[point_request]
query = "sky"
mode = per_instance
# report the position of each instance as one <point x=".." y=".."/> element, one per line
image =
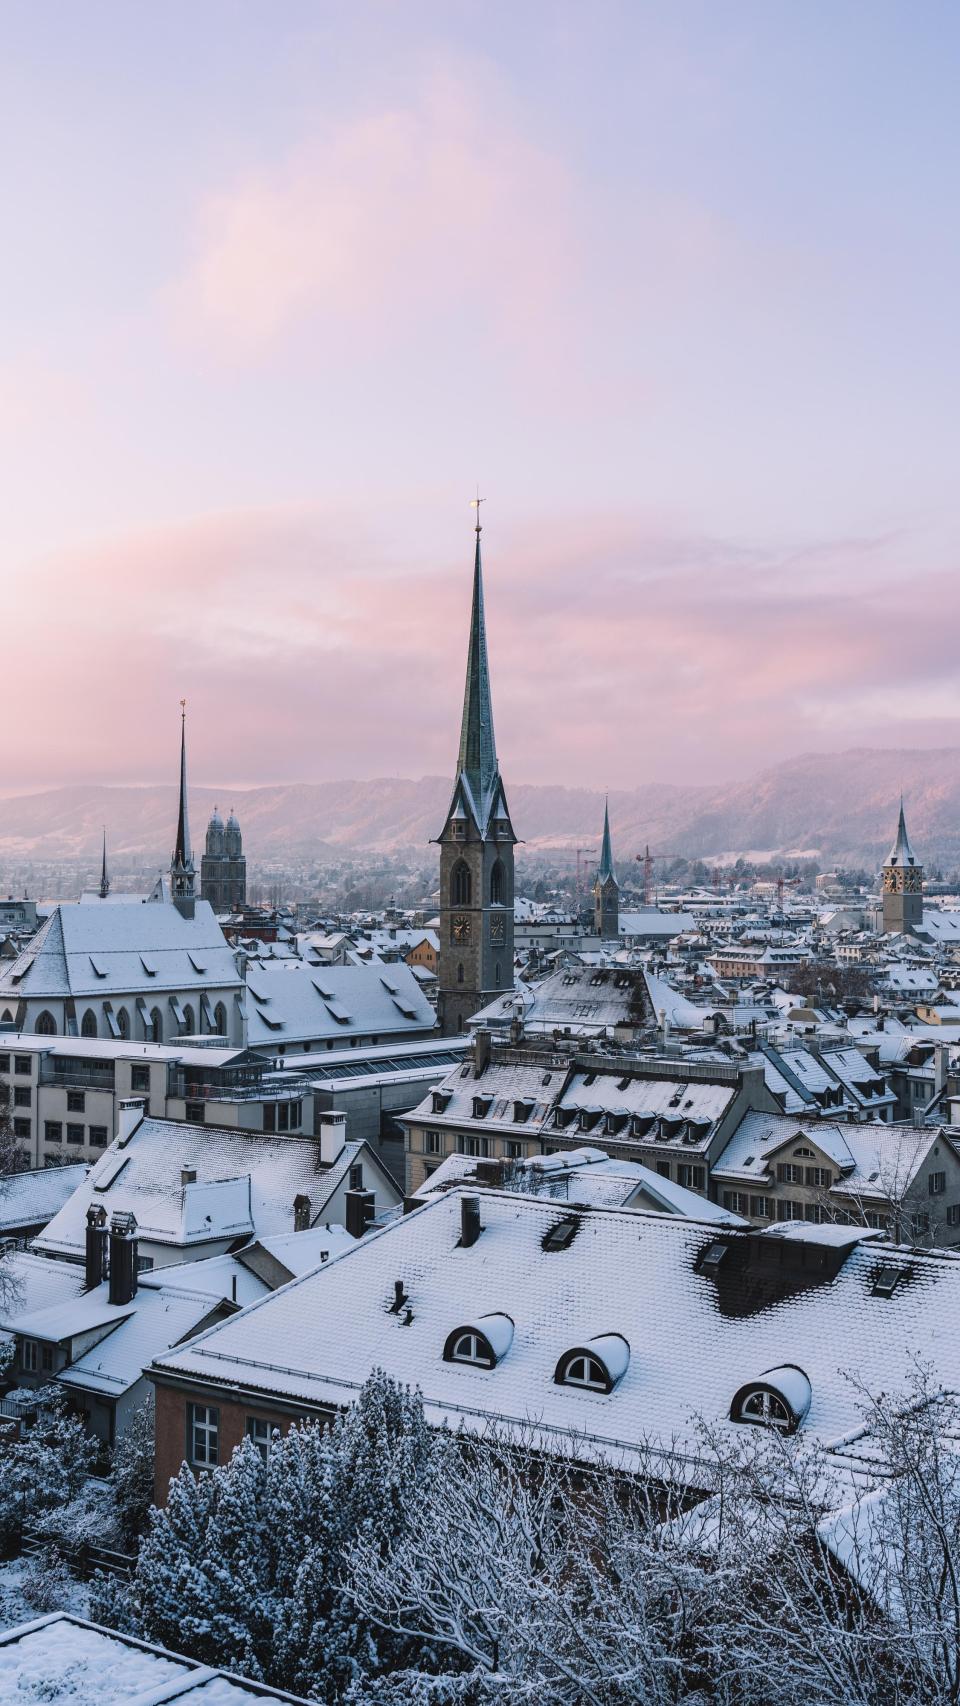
<point x="676" y="284"/>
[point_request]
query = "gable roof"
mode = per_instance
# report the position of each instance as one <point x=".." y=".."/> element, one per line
<point x="102" y="951"/>
<point x="290" y="1001"/>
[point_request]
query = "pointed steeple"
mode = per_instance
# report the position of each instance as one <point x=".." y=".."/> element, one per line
<point x="901" y="853"/>
<point x="478" y="749"/>
<point x="182" y="873"/>
<point x="605" y="870"/>
<point x="104" y="877"/>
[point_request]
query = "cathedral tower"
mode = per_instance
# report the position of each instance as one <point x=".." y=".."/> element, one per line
<point x="223" y="866"/>
<point x="902" y="885"/>
<point x="182" y="873"/>
<point x="606" y="889"/>
<point x="476" y="851"/>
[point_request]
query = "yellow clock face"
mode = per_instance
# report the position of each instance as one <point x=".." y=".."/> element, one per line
<point x="460" y="929"/>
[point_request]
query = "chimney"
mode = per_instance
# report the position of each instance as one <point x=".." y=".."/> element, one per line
<point x="188" y="1176"/>
<point x="130" y="1112"/>
<point x="96" y="1245"/>
<point x="481" y="1053"/>
<point x="516" y="1023"/>
<point x="470" y="1228"/>
<point x="123" y="1257"/>
<point x="360" y="1208"/>
<point x="332" y="1131"/>
<point x="941" y="1055"/>
<point x="301" y="1213"/>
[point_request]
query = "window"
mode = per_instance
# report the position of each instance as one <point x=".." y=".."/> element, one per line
<point x="804" y="1153"/>
<point x="470" y="1347"/>
<point x="356" y="1177"/>
<point x="515" y="1151"/>
<point x="29" y="1356"/>
<point x="123" y="1022"/>
<point x="919" y="1224"/>
<point x="585" y="1371"/>
<point x="46" y="1358"/>
<point x="74" y="1133"/>
<point x="144" y="1264"/>
<point x="261" y="1433"/>
<point x="21" y="1128"/>
<point x="460" y="972"/>
<point x="193" y="1113"/>
<point x="76" y="1101"/>
<point x="497" y="977"/>
<point x="189" y="1023"/>
<point x="52" y="1131"/>
<point x="478" y="1146"/>
<point x="819" y="1176"/>
<point x="766" y="1410"/>
<point x="21" y="1097"/>
<point x="98" y="1136"/>
<point x="21" y="1065"/>
<point x="937" y="1184"/>
<point x="220" y="1019"/>
<point x="140" y="1078"/>
<point x="461" y="884"/>
<point x="663" y="1168"/>
<point x="953" y="1214"/>
<point x="156" y="1024"/>
<point x="45" y="1026"/>
<point x="203" y="1434"/>
<point x="815" y="1212"/>
<point x="790" y="1210"/>
<point x="433" y="1143"/>
<point x="788" y="1174"/>
<point x="691" y="1177"/>
<point x="88" y="1027"/>
<point x="762" y="1208"/>
<point x="736" y="1201"/>
<point x="4" y="1063"/>
<point x="496" y="883"/>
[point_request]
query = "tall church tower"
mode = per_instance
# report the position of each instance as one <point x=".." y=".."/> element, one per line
<point x="606" y="889"/>
<point x="182" y="873"/>
<point x="902" y="885"/>
<point x="476" y="851"/>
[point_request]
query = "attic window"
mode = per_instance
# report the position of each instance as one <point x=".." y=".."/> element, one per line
<point x="596" y="1366"/>
<point x="481" y="1343"/>
<point x="99" y="968"/>
<point x="807" y="1154"/>
<point x="199" y="966"/>
<point x="887" y="1279"/>
<point x="561" y="1235"/>
<point x="712" y="1257"/>
<point x="148" y="966"/>
<point x="780" y="1399"/>
<point x="765" y="1409"/>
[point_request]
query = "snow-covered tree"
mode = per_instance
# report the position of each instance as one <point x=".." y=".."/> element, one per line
<point x="132" y="1474"/>
<point x="48" y="1467"/>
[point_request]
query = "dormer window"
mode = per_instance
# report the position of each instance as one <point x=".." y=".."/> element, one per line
<point x="482" y="1343"/>
<point x="779" y="1399"/>
<point x="597" y="1366"/>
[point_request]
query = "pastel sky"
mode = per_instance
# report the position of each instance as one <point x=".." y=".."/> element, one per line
<point x="677" y="283"/>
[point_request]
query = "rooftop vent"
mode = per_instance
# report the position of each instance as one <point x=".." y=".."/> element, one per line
<point x="470" y="1228"/>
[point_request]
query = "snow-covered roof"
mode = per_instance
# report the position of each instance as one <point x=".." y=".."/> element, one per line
<point x="246" y="1182"/>
<point x="290" y="1001"/>
<point x="694" y="1338"/>
<point x="875" y="1160"/>
<point x="66" y="1661"/>
<point x="33" y="1198"/>
<point x="160" y="1318"/>
<point x="36" y="1282"/>
<point x="662" y="925"/>
<point x="584" y="1000"/>
<point x="588" y="1177"/>
<point x="94" y="951"/>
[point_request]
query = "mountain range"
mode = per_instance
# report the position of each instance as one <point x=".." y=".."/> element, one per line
<point x="839" y="807"/>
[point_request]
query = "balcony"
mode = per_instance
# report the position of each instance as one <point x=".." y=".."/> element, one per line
<point x="77" y="1075"/>
<point x="236" y="1089"/>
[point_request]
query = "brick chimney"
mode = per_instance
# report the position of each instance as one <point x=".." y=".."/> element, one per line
<point x="123" y="1256"/>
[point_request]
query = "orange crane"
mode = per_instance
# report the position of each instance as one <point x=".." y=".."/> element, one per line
<point x="647" y="860"/>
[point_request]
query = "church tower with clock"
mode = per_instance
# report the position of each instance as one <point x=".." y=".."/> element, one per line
<point x="902" y="885"/>
<point x="476" y="851"/>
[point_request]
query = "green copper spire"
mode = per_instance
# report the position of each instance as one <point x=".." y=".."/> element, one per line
<point x="605" y="869"/>
<point x="478" y="750"/>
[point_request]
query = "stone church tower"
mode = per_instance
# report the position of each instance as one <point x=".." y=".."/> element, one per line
<point x="182" y="870"/>
<point x="606" y="889"/>
<point x="223" y="867"/>
<point x="902" y="885"/>
<point x="476" y="852"/>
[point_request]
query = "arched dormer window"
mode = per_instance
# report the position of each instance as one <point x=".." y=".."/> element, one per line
<point x="45" y="1026"/>
<point x="596" y="1366"/>
<point x="497" y="882"/>
<point x="461" y="884"/>
<point x="482" y="1343"/>
<point x="88" y="1025"/>
<point x="779" y="1399"/>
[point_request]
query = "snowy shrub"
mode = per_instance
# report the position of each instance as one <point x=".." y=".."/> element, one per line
<point x="46" y="1581"/>
<point x="131" y="1479"/>
<point x="47" y="1468"/>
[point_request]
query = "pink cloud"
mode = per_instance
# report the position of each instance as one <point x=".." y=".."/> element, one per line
<point x="620" y="653"/>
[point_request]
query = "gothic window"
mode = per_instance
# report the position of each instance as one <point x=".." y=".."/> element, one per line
<point x="460" y="972"/>
<point x="156" y="1025"/>
<point x="498" y="974"/>
<point x="461" y="884"/>
<point x="188" y="1024"/>
<point x="45" y="1026"/>
<point x="88" y="1027"/>
<point x="497" y="883"/>
<point x="123" y="1022"/>
<point x="220" y="1019"/>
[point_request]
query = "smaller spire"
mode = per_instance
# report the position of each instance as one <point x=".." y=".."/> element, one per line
<point x="605" y="869"/>
<point x="104" y="877"/>
<point x="901" y="853"/>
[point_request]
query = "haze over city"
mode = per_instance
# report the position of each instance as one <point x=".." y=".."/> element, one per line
<point x="677" y="285"/>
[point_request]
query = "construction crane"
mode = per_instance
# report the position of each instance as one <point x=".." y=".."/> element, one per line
<point x="593" y="853"/>
<point x="784" y="883"/>
<point x="648" y="860"/>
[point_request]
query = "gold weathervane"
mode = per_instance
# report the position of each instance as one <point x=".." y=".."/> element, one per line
<point x="475" y="504"/>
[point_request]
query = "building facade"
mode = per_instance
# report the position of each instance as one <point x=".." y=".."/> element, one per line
<point x="476" y="852"/>
<point x="223" y="866"/>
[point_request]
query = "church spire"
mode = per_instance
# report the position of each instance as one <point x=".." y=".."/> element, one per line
<point x="605" y="869"/>
<point x="104" y="877"/>
<point x="477" y="761"/>
<point x="181" y="865"/>
<point x="901" y="853"/>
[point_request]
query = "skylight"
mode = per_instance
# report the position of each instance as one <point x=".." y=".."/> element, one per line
<point x="888" y="1278"/>
<point x="561" y="1236"/>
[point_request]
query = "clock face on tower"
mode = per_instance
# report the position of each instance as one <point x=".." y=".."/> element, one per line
<point x="497" y="929"/>
<point x="460" y="929"/>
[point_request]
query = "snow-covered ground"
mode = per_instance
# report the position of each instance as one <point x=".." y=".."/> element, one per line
<point x="19" y="1579"/>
